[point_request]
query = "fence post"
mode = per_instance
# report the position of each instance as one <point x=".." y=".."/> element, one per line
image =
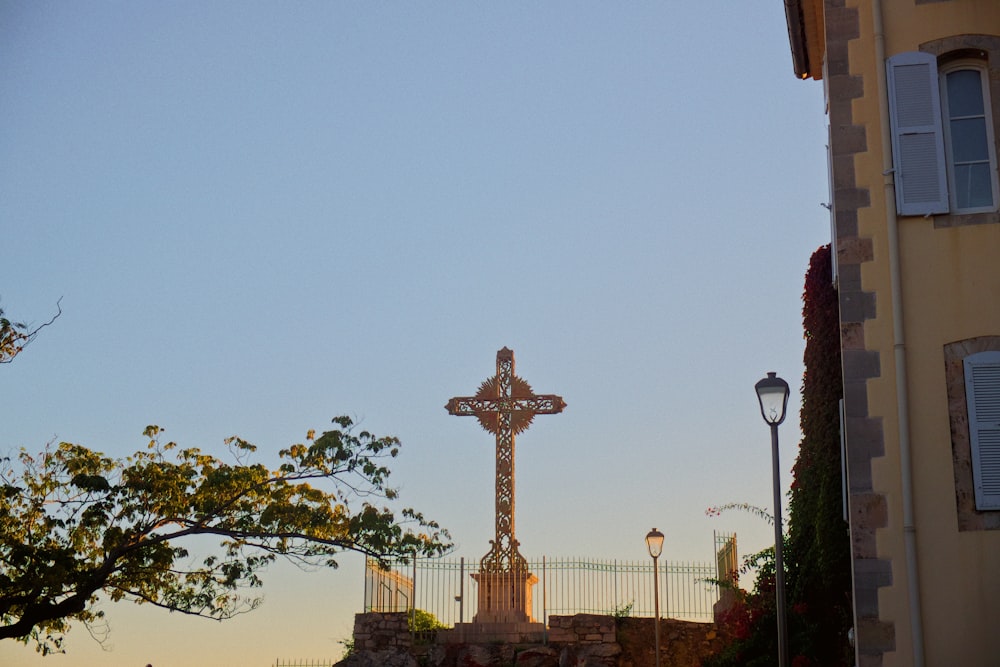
<point x="413" y="597"/>
<point x="461" y="591"/>
<point x="545" y="604"/>
<point x="365" y="603"/>
<point x="666" y="589"/>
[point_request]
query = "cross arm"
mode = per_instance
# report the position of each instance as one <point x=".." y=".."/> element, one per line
<point x="543" y="404"/>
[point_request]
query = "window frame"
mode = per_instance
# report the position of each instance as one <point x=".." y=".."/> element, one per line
<point x="979" y="67"/>
<point x="986" y="50"/>
<point x="968" y="515"/>
<point x="922" y="186"/>
<point x="984" y="417"/>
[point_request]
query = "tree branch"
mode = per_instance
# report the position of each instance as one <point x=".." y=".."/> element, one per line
<point x="21" y="339"/>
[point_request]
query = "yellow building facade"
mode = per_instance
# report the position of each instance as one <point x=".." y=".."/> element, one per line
<point x="912" y="89"/>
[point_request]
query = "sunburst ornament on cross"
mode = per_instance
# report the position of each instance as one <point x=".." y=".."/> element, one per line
<point x="505" y="406"/>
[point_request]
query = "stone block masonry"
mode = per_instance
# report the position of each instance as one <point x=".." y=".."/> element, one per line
<point x="377" y="631"/>
<point x="682" y="643"/>
<point x="582" y="629"/>
<point x="584" y="639"/>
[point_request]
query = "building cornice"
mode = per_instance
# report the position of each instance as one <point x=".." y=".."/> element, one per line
<point x="806" y="37"/>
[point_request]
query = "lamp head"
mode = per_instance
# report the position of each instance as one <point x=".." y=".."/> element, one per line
<point x="654" y="542"/>
<point x="772" y="392"/>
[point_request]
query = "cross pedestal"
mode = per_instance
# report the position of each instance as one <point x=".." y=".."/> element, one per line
<point x="504" y="597"/>
<point x="504" y="613"/>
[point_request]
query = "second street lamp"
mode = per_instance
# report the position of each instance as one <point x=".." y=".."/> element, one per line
<point x="772" y="392"/>
<point x="654" y="542"/>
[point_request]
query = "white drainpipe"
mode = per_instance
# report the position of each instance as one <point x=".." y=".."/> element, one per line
<point x="899" y="348"/>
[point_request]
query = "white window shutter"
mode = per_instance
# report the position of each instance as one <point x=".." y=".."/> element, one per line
<point x="982" y="394"/>
<point x="917" y="138"/>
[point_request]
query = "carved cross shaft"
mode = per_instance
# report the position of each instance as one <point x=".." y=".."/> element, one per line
<point x="505" y="406"/>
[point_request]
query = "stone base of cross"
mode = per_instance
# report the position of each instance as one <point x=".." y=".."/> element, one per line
<point x="505" y="597"/>
<point x="504" y="613"/>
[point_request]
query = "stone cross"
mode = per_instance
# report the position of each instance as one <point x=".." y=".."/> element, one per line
<point x="505" y="406"/>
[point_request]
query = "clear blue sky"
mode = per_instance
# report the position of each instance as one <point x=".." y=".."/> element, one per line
<point x="260" y="216"/>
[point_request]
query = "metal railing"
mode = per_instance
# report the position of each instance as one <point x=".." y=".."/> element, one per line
<point x="444" y="587"/>
<point x="726" y="558"/>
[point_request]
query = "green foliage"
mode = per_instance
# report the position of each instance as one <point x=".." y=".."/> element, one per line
<point x="348" y="645"/>
<point x="816" y="549"/>
<point x="75" y="523"/>
<point x="759" y="512"/>
<point x="15" y="335"/>
<point x="623" y="610"/>
<point x="423" y="621"/>
<point x="751" y="623"/>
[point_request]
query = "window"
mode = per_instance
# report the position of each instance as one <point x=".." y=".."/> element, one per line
<point x="971" y="367"/>
<point x="982" y="391"/>
<point x="942" y="136"/>
<point x="968" y="138"/>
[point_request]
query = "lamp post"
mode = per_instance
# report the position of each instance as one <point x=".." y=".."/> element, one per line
<point x="772" y="392"/>
<point x="654" y="542"/>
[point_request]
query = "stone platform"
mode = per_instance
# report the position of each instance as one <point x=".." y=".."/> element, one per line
<point x="504" y="597"/>
<point x="507" y="633"/>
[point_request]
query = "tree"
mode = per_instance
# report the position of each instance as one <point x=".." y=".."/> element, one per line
<point x="75" y="524"/>
<point x="15" y="335"/>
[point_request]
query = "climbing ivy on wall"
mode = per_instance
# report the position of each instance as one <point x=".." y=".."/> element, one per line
<point x="817" y="532"/>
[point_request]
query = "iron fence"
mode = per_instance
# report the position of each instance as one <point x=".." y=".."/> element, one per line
<point x="566" y="586"/>
<point x="726" y="558"/>
<point x="302" y="663"/>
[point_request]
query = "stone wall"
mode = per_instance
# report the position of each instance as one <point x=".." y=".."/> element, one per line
<point x="582" y="629"/>
<point x="583" y="639"/>
<point x="682" y="643"/>
<point x="377" y="631"/>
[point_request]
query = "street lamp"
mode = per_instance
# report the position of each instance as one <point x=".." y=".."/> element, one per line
<point x="654" y="542"/>
<point x="772" y="392"/>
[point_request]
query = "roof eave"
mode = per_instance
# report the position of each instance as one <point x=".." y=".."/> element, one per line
<point x="797" y="38"/>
